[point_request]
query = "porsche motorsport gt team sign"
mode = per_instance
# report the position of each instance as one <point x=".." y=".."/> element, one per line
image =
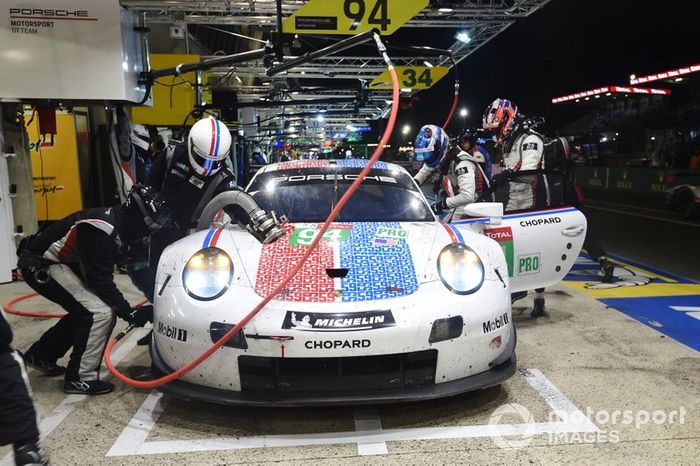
<point x="352" y="16"/>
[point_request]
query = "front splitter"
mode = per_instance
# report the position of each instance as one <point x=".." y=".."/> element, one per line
<point x="193" y="392"/>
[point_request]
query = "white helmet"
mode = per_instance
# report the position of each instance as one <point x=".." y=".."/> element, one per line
<point x="140" y="136"/>
<point x="207" y="145"/>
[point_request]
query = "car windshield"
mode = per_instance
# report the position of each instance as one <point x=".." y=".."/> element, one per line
<point x="309" y="195"/>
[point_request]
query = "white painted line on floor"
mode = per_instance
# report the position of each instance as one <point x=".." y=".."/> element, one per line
<point x="52" y="420"/>
<point x="369" y="422"/>
<point x="136" y="432"/>
<point x="692" y="311"/>
<point x="633" y="214"/>
<point x="145" y="418"/>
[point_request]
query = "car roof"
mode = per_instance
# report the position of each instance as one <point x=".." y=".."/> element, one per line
<point x="342" y="163"/>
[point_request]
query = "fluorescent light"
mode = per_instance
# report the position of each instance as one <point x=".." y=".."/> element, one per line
<point x="406" y="89"/>
<point x="428" y="64"/>
<point x="319" y="118"/>
<point x="445" y="10"/>
<point x="292" y="129"/>
<point x="463" y="112"/>
<point x="678" y="80"/>
<point x="463" y="36"/>
<point x="240" y="81"/>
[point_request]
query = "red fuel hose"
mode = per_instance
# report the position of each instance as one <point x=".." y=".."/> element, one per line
<point x="150" y="384"/>
<point x="455" y="101"/>
<point x="9" y="308"/>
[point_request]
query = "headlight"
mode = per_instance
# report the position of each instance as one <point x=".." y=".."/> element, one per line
<point x="208" y="274"/>
<point x="460" y="269"/>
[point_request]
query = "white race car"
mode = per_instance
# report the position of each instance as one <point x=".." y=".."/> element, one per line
<point x="393" y="306"/>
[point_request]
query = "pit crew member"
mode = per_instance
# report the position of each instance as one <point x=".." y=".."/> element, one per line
<point x="188" y="176"/>
<point x="522" y="148"/>
<point x="71" y="263"/>
<point x="463" y="179"/>
<point x="18" y="424"/>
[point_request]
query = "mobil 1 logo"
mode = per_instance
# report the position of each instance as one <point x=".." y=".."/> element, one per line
<point x="529" y="264"/>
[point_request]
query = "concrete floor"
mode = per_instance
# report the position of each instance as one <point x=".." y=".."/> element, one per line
<point x="582" y="356"/>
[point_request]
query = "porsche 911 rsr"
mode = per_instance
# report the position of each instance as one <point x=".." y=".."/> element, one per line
<point x="393" y="305"/>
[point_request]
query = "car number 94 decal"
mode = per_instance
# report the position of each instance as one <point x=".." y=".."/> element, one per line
<point x="304" y="236"/>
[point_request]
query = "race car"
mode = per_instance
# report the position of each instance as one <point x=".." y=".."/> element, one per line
<point x="684" y="199"/>
<point x="392" y="306"/>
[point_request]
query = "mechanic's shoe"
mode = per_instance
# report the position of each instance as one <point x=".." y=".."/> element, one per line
<point x="517" y="296"/>
<point x="30" y="454"/>
<point x="538" y="310"/>
<point x="50" y="369"/>
<point x="87" y="387"/>
<point x="146" y="340"/>
<point x="608" y="268"/>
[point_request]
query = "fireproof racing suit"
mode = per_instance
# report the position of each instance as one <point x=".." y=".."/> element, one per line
<point x="464" y="183"/>
<point x="17" y="414"/>
<point x="523" y="152"/>
<point x="185" y="192"/>
<point x="83" y="250"/>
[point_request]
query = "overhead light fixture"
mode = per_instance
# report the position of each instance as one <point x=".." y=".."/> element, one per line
<point x="608" y="93"/>
<point x="445" y="10"/>
<point x="319" y="118"/>
<point x="428" y="64"/>
<point x="406" y="89"/>
<point x="463" y="112"/>
<point x="406" y="129"/>
<point x="292" y="129"/>
<point x="678" y="80"/>
<point x="633" y="77"/>
<point x="238" y="78"/>
<point x="463" y="36"/>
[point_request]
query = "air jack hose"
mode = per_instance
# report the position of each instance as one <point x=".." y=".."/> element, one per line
<point x="10" y="309"/>
<point x="150" y="384"/>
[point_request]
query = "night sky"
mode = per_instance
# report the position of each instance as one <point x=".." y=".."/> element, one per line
<point x="566" y="46"/>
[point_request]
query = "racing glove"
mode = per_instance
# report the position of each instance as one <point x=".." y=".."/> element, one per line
<point x="141" y="316"/>
<point x="439" y="206"/>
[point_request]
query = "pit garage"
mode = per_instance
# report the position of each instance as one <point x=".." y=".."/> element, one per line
<point x="325" y="307"/>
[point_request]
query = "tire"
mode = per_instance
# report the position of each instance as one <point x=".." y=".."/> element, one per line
<point x="686" y="205"/>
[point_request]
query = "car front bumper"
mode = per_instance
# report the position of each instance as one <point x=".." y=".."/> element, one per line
<point x="502" y="369"/>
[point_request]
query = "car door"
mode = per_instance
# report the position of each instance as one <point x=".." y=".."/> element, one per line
<point x="540" y="247"/>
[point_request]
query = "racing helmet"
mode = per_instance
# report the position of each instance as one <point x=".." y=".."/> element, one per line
<point x="499" y="117"/>
<point x="467" y="135"/>
<point x="207" y="145"/>
<point x="140" y="137"/>
<point x="146" y="208"/>
<point x="431" y="145"/>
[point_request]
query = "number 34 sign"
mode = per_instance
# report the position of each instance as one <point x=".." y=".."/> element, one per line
<point x="411" y="77"/>
<point x="352" y="16"/>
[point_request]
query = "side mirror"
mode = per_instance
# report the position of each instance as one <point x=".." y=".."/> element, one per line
<point x="492" y="210"/>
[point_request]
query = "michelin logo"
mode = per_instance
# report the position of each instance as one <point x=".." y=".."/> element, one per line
<point x="337" y="322"/>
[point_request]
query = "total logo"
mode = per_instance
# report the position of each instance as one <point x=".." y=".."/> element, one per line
<point x="496" y="323"/>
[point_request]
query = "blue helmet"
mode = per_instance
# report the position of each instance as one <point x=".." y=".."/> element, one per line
<point x="431" y="145"/>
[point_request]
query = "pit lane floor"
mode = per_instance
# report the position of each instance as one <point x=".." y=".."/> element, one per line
<point x="584" y="358"/>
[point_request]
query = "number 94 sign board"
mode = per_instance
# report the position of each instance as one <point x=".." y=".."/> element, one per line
<point x="352" y="16"/>
<point x="411" y="77"/>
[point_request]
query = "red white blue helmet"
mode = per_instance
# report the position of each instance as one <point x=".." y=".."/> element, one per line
<point x="207" y="145"/>
<point x="431" y="145"/>
<point x="499" y="117"/>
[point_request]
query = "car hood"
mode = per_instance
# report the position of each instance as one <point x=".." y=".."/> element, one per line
<point x="359" y="261"/>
